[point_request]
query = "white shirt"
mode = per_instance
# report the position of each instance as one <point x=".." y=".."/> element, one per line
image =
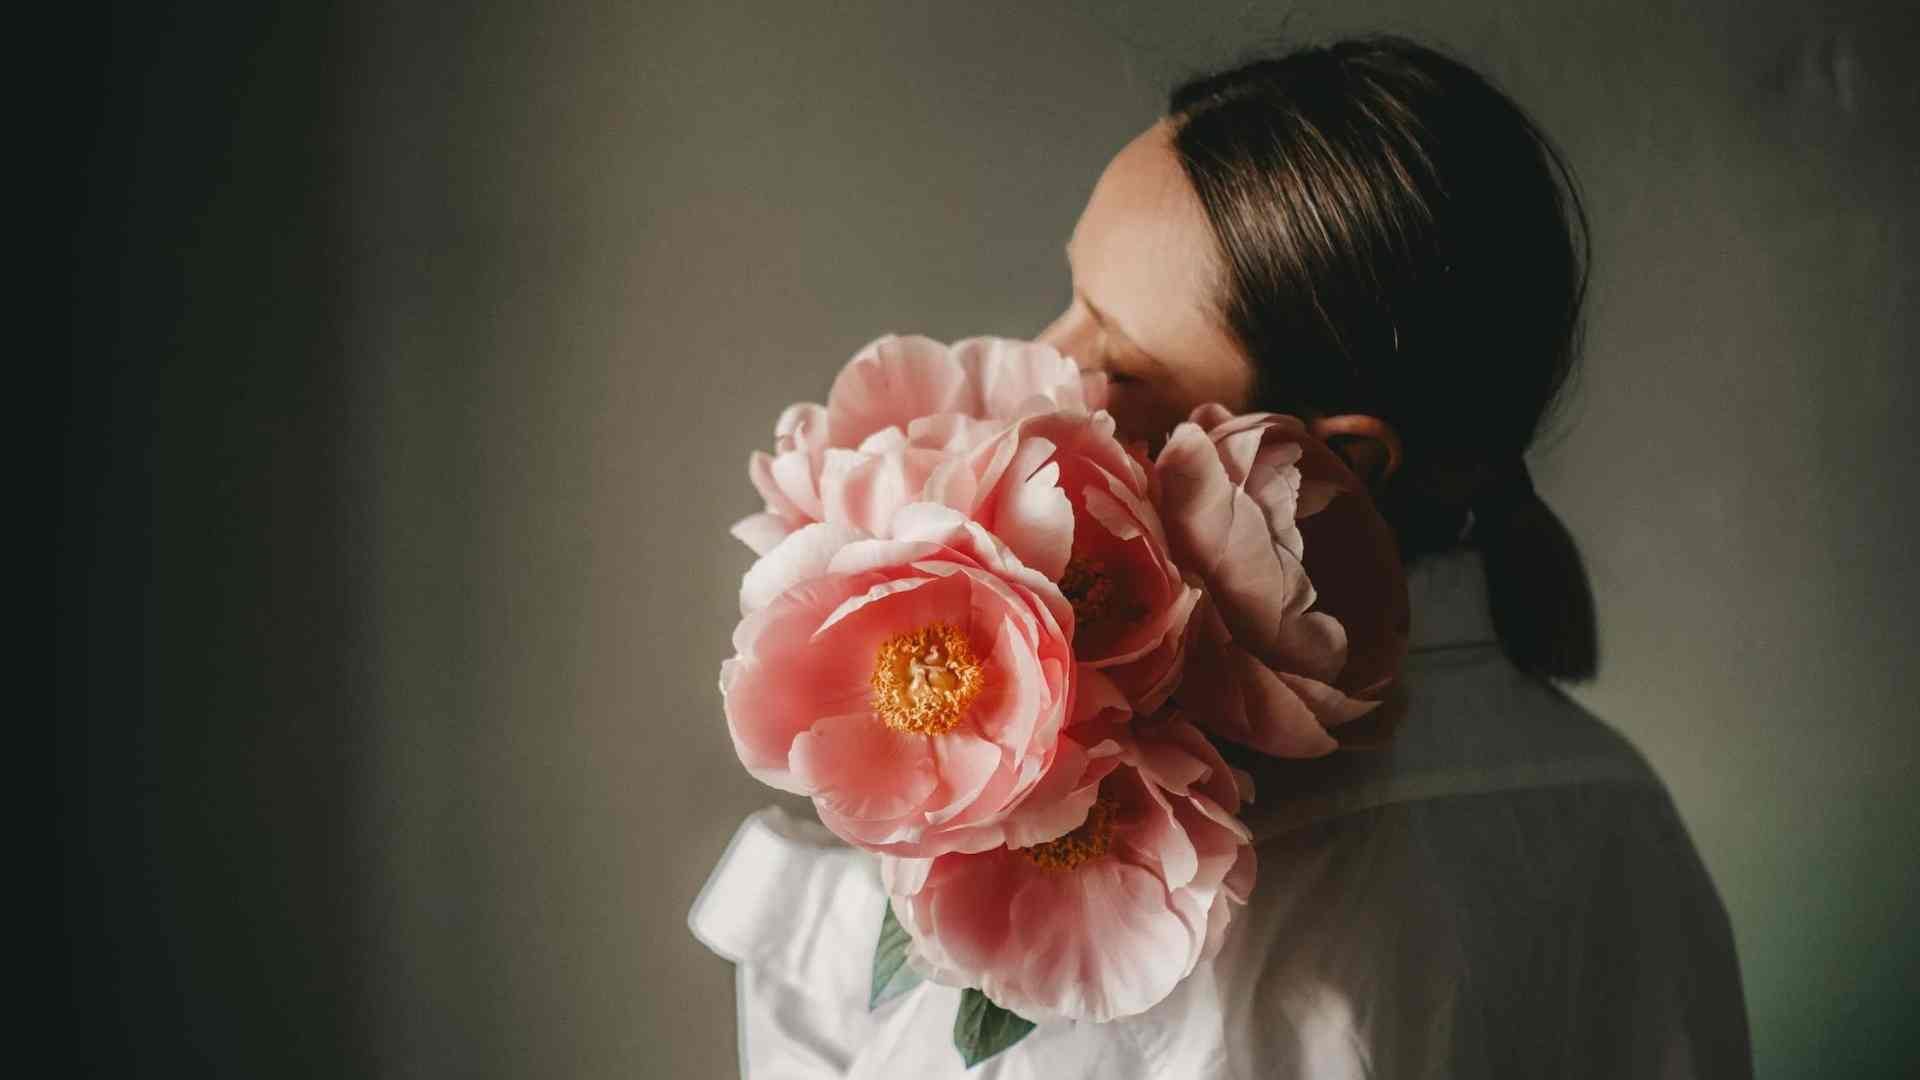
<point x="1506" y="891"/>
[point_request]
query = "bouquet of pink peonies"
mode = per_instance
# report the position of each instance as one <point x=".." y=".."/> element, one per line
<point x="994" y="644"/>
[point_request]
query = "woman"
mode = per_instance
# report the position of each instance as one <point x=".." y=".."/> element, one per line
<point x="1369" y="236"/>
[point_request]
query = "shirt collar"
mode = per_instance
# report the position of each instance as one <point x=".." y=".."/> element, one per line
<point x="1447" y="597"/>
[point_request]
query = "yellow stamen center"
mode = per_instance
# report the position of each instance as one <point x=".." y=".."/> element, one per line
<point x="923" y="680"/>
<point x="1089" y="841"/>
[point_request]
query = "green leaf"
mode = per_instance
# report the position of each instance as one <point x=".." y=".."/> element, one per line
<point x="982" y="1029"/>
<point x="891" y="974"/>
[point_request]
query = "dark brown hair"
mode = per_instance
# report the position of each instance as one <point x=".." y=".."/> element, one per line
<point x="1400" y="239"/>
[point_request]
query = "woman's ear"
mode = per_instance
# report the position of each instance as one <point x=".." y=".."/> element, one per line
<point x="1369" y="444"/>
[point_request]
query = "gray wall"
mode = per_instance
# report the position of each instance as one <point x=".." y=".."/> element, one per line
<point x="604" y="245"/>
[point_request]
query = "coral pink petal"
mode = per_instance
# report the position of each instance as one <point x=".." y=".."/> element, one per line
<point x="964" y="905"/>
<point x="780" y="687"/>
<point x="967" y="765"/>
<point x="1014" y="699"/>
<point x="1155" y="836"/>
<point x="1058" y="803"/>
<point x="864" y="769"/>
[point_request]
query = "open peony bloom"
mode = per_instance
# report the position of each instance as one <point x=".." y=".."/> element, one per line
<point x="1102" y="921"/>
<point x="914" y="687"/>
<point x="1273" y="521"/>
<point x="962" y="393"/>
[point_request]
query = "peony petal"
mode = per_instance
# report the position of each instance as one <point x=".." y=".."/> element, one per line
<point x="797" y="476"/>
<point x="866" y="490"/>
<point x="804" y="554"/>
<point x="1015" y="702"/>
<point x="1332" y="707"/>
<point x="1004" y="375"/>
<point x="1096" y="943"/>
<point x="963" y="906"/>
<point x="761" y="532"/>
<point x="778" y="685"/>
<point x="863" y="769"/>
<point x="966" y="764"/>
<point x="1035" y="520"/>
<point x="890" y="382"/>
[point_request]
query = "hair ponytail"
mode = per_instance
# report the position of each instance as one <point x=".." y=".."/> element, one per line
<point x="1537" y="587"/>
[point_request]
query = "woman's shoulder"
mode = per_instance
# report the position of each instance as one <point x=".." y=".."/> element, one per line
<point x="1474" y="725"/>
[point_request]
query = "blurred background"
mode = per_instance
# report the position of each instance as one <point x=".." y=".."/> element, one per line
<point x="417" y="352"/>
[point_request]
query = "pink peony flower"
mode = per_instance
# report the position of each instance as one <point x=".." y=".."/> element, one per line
<point x="1104" y="920"/>
<point x="1274" y="522"/>
<point x="900" y="390"/>
<point x="913" y="687"/>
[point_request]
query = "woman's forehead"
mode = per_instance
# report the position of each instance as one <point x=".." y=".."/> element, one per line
<point x="1143" y="246"/>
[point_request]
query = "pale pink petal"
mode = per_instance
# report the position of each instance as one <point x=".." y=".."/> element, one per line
<point x="804" y="554"/>
<point x="801" y="426"/>
<point x="773" y="493"/>
<point x="1095" y="943"/>
<point x="1195" y="499"/>
<point x="1004" y="375"/>
<point x="1035" y="519"/>
<point x="866" y="490"/>
<point x="1095" y="389"/>
<point x="761" y="532"/>
<point x="953" y="432"/>
<point x="797" y="476"/>
<point x="888" y="383"/>
<point x="902" y="877"/>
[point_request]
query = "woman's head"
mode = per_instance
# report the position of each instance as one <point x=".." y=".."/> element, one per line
<point x="1367" y="229"/>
